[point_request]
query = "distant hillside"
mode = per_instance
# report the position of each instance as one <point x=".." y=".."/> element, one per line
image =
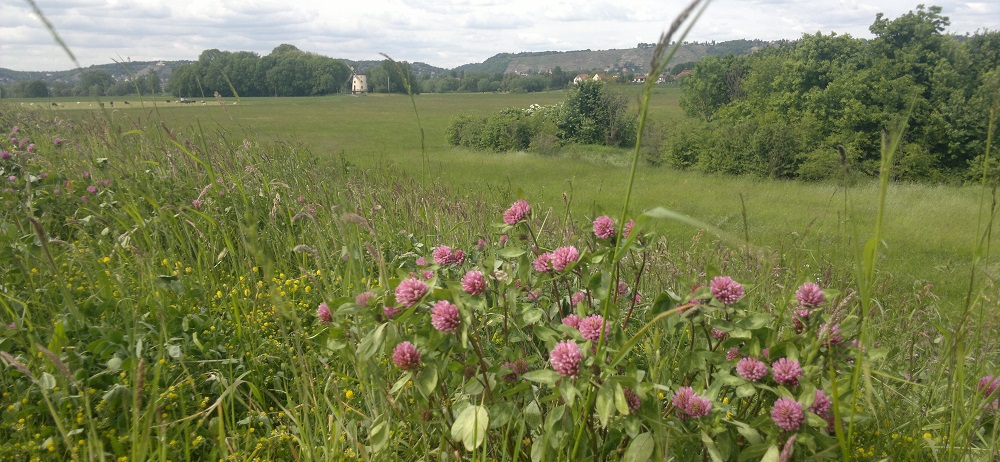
<point x="631" y="59"/>
<point x="119" y="71"/>
<point x="418" y="67"/>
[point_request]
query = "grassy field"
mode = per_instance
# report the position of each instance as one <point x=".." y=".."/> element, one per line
<point x="280" y="279"/>
<point x="929" y="234"/>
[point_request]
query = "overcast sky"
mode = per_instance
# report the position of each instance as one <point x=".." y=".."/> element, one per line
<point x="439" y="32"/>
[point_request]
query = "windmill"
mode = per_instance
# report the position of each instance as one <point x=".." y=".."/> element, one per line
<point x="359" y="83"/>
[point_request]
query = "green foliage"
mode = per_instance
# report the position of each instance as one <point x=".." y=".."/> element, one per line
<point x="510" y="129"/>
<point x="94" y="83"/>
<point x="286" y="71"/>
<point x="840" y="91"/>
<point x="595" y="113"/>
<point x="27" y="89"/>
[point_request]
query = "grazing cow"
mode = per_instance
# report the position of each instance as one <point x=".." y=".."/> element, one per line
<point x="126" y="102"/>
<point x="112" y="103"/>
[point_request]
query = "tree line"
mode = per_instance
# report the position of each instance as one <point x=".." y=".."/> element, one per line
<point x="91" y="83"/>
<point x="817" y="107"/>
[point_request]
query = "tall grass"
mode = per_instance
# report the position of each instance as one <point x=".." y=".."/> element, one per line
<point x="164" y="291"/>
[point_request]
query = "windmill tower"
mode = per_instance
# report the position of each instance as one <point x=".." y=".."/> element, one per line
<point x="359" y="83"/>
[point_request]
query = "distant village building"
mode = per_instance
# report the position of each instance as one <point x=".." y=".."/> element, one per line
<point x="639" y="78"/>
<point x="359" y="84"/>
<point x="580" y="78"/>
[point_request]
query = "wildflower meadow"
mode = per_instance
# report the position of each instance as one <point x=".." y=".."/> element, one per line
<point x="177" y="294"/>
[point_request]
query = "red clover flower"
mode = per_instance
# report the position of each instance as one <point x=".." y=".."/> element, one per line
<point x="565" y="358"/>
<point x="406" y="356"/>
<point x="410" y="291"/>
<point x="726" y="290"/>
<point x="787" y="414"/>
<point x="445" y="317"/>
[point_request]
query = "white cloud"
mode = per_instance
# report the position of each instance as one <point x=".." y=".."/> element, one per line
<point x="441" y="33"/>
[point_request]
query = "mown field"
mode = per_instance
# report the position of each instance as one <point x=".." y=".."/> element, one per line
<point x="296" y="279"/>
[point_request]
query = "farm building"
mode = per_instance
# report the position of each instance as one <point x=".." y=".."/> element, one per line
<point x="359" y="84"/>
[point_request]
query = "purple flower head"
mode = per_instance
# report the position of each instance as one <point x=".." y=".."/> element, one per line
<point x="809" y="295"/>
<point x="517" y="212"/>
<point x="84" y="198"/>
<point x="751" y="369"/>
<point x="534" y="295"/>
<point x="458" y="257"/>
<point x="821" y="404"/>
<point x="699" y="406"/>
<point x="480" y="245"/>
<point x="445" y="317"/>
<point x="830" y="334"/>
<point x="518" y="368"/>
<point x="604" y="227"/>
<point x="364" y="298"/>
<point x="988" y="385"/>
<point x="421" y="261"/>
<point x="591" y="327"/>
<point x="389" y="312"/>
<point x="577" y="298"/>
<point x="787" y="414"/>
<point x="786" y="372"/>
<point x="58" y="141"/>
<point x="427" y="274"/>
<point x="689" y="404"/>
<point x="572" y="321"/>
<point x="719" y="334"/>
<point x="542" y="263"/>
<point x="86" y="174"/>
<point x="92" y="189"/>
<point x="43" y="176"/>
<point x="563" y="256"/>
<point x="503" y="239"/>
<point x="31" y="147"/>
<point x="765" y="353"/>
<point x="628" y="228"/>
<point x="12" y="179"/>
<point x="726" y="290"/>
<point x="683" y="397"/>
<point x="622" y="288"/>
<point x="632" y="400"/>
<point x="406" y="356"/>
<point x="443" y="255"/>
<point x="323" y="313"/>
<point x="474" y="283"/>
<point x="565" y="358"/>
<point x="196" y="203"/>
<point x="410" y="291"/>
<point x="5" y="155"/>
<point x="732" y="354"/>
<point x="14" y="129"/>
<point x="301" y="199"/>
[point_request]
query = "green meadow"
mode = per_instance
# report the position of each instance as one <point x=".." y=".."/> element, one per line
<point x="324" y="278"/>
<point x="930" y="230"/>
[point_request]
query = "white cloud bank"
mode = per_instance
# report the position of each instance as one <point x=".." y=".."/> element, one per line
<point x="439" y="32"/>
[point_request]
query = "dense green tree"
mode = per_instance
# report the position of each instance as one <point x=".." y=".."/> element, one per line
<point x="94" y="83"/>
<point x="35" y="89"/>
<point x="594" y="113"/>
<point x="837" y="92"/>
<point x="716" y="81"/>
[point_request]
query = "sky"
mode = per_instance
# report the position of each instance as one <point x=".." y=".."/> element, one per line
<point x="438" y="32"/>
